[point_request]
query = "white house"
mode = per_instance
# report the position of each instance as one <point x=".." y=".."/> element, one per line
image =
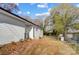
<point x="14" y="28"/>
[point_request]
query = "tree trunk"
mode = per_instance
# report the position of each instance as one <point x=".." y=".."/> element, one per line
<point x="65" y="34"/>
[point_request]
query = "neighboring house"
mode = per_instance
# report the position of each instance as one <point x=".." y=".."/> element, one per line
<point x="14" y="28"/>
<point x="73" y="36"/>
<point x="48" y="25"/>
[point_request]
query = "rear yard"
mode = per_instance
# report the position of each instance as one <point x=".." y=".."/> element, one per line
<point x="43" y="46"/>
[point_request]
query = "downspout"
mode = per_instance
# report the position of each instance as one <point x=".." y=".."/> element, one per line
<point x="33" y="32"/>
<point x="26" y="34"/>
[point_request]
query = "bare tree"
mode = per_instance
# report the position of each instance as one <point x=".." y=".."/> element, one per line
<point x="9" y="6"/>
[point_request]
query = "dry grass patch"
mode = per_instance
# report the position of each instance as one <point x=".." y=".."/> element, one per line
<point x="44" y="46"/>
